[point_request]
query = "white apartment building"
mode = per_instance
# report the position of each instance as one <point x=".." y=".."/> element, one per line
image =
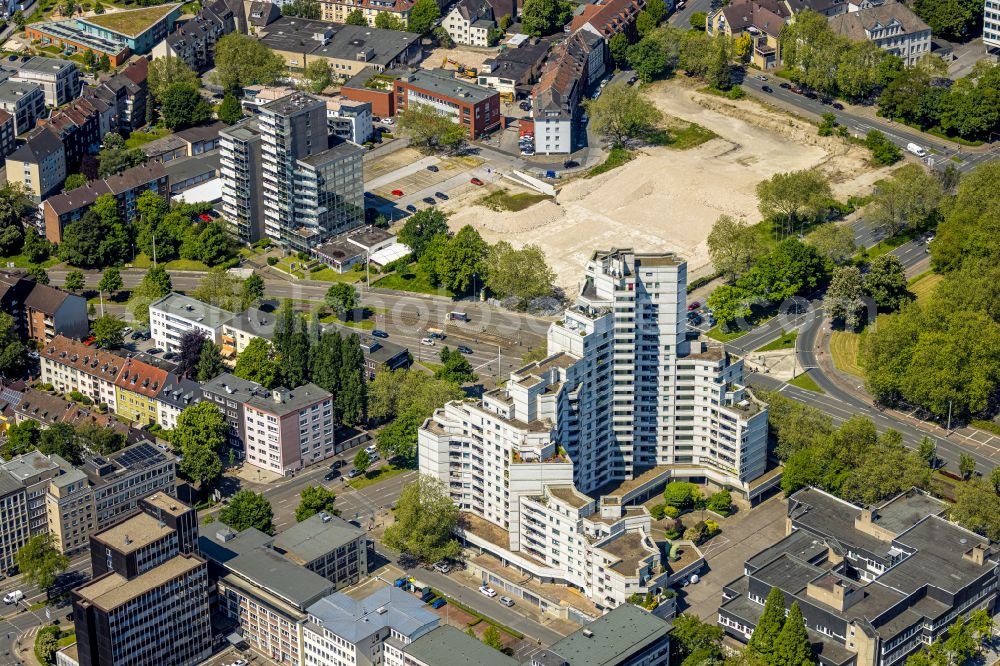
<point x="624" y="403"/>
<point x="342" y="631"/>
<point x="991" y="24"/>
<point x="891" y="25"/>
<point x="286" y="430"/>
<point x="60" y="79"/>
<point x="69" y="365"/>
<point x="175" y="314"/>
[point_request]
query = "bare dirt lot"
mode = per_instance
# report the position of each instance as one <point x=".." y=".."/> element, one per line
<point x="667" y="200"/>
<point x="464" y="55"/>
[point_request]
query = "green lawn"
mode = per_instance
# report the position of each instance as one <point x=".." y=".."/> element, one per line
<point x="685" y="138"/>
<point x="617" y="157"/>
<point x="285" y="264"/>
<point x="374" y="476"/>
<point x="804" y="381"/>
<point x="20" y="261"/>
<point x="923" y="285"/>
<point x="754" y="320"/>
<point x="185" y="265"/>
<point x="132" y="22"/>
<point x="330" y="275"/>
<point x="890" y="244"/>
<point x="137" y="139"/>
<point x="502" y="200"/>
<point x="409" y="280"/>
<point x="845" y="346"/>
<point x="68" y="638"/>
<point x="786" y="341"/>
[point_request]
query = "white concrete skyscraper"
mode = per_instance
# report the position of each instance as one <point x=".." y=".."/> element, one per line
<point x="625" y="402"/>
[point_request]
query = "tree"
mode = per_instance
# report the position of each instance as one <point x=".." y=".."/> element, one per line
<point x="618" y="46"/>
<point x="242" y="60"/>
<point x="844" y="300"/>
<point x="425" y="520"/>
<point x="47" y="639"/>
<point x="356" y="17"/>
<point x="649" y="58"/>
<point x="389" y="21"/>
<point x="37" y="272"/>
<point x="698" y="20"/>
<point x="813" y="50"/>
<point x="720" y="502"/>
<point x="858" y="69"/>
<point x="792" y="646"/>
<point x="40" y="562"/>
<point x="248" y="509"/>
<point x="657" y="10"/>
<point x="220" y="289"/>
<point x="108" y="331"/>
<point x="168" y="71"/>
<point x="21" y="438"/>
<point x="155" y="285"/>
<point x="182" y="106"/>
<point x="885" y="283"/>
<point x="884" y="151"/>
<point x="691" y="635"/>
<point x="428" y="127"/>
<point x="540" y="17"/>
<point x="307" y="9"/>
<point x="456" y="368"/>
<point x="834" y="242"/>
<point x="74" y="281"/>
<point x="398" y="439"/>
<point x="423" y="14"/>
<point x="462" y="257"/>
<point x="928" y="452"/>
<point x="743" y="47"/>
<point x="681" y="495"/>
<point x="442" y="37"/>
<point x="73" y="181"/>
<point x="230" y="111"/>
<point x="977" y="508"/>
<point x="908" y="200"/>
<point x="314" y="500"/>
<point x="622" y="113"/>
<point x="733" y="246"/>
<point x="492" y="638"/>
<point x="191" y="344"/>
<point x="960" y="644"/>
<point x="422" y="227"/>
<point x="317" y="72"/>
<point x="200" y="435"/>
<point x="12" y="350"/>
<point x="256" y="363"/>
<point x="99" y="439"/>
<point x="362" y="461"/>
<point x="111" y="282"/>
<point x="342" y="297"/>
<point x="764" y="641"/>
<point x="644" y="23"/>
<point x="796" y="195"/>
<point x="392" y="393"/>
<point x="950" y="19"/>
<point x="36" y="247"/>
<point x="61" y="439"/>
<point x="522" y="274"/>
<point x="966" y="466"/>
<point x="98" y="8"/>
<point x="210" y="363"/>
<point x="252" y="291"/>
<point x="115" y="158"/>
<point x="99" y="238"/>
<point x="352" y="395"/>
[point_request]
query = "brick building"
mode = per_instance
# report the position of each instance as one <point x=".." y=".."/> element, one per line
<point x="469" y="105"/>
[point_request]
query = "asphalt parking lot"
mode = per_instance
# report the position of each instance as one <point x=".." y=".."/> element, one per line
<point x="743" y="535"/>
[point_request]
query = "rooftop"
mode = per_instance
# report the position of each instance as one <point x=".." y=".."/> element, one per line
<point x="192" y="309"/>
<point x="281" y="401"/>
<point x="132" y="22"/>
<point x="70" y="29"/>
<point x="167" y="504"/>
<point x="130" y="460"/>
<point x="354" y="620"/>
<point x="25" y="466"/>
<point x="44" y="298"/>
<point x="856" y="25"/>
<point x="40" y="145"/>
<point x="315" y="537"/>
<point x="609" y="639"/>
<point x="134" y="533"/>
<point x="631" y="549"/>
<point x="113" y="590"/>
<point x="447" y="646"/>
<point x="44" y="65"/>
<point x="12" y="90"/>
<point x="373" y="46"/>
<point x="228" y="384"/>
<point x="443" y="83"/>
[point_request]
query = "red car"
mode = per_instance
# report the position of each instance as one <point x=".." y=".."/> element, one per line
<point x="476" y="181"/>
<point x="397" y="193"/>
<point x="694" y="306"/>
<point x="89" y="341"/>
<point x="205" y="217"/>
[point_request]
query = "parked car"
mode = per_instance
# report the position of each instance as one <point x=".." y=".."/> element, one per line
<point x="411" y="208"/>
<point x="524" y="106"/>
<point x="370" y="449"/>
<point x="476" y="181"/>
<point x="437" y="335"/>
<point x="437" y="603"/>
<point x="376" y="333"/>
<point x="693" y="305"/>
<point x="429" y="201"/>
<point x="796" y="90"/>
<point x="427" y="342"/>
<point x="507" y="601"/>
<point x="442" y="567"/>
<point x="462" y="349"/>
<point x="137" y="335"/>
<point x="169" y="356"/>
<point x="89" y="341"/>
<point x="696" y="319"/>
<point x="825" y="100"/>
<point x="488" y="591"/>
<point x="353" y="474"/>
<point x="632" y="79"/>
<point x="441" y="195"/>
<point x="397" y="193"/>
<point x="433" y="168"/>
<point x="762" y="77"/>
<point x="154" y="350"/>
<point x="337" y="464"/>
<point x="331" y="475"/>
<point x="785" y="85"/>
<point x="838" y="106"/>
<point x="767" y="89"/>
<point x="810" y="95"/>
<point x="17" y="595"/>
<point x="126" y="330"/>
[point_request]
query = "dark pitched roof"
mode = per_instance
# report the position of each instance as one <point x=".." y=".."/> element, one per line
<point x="44" y="298"/>
<point x="41" y="144"/>
<point x="854" y="25"/>
<point x="86" y="195"/>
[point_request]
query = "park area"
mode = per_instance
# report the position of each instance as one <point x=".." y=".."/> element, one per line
<point x="668" y="199"/>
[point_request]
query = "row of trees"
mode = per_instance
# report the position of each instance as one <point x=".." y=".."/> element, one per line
<point x="943" y="354"/>
<point x="63" y="439"/>
<point x="456" y="262"/>
<point x="854" y="292"/>
<point x="403" y="399"/>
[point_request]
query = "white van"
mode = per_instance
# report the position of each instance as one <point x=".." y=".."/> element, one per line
<point x="13" y="597"/>
<point x="916" y="150"/>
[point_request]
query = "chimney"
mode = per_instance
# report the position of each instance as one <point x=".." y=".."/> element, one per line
<point x="976" y="554"/>
<point x="127" y="540"/>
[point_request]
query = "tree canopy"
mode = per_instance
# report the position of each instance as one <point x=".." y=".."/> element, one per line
<point x="314" y="500"/>
<point x="248" y="509"/>
<point x="200" y="435"/>
<point x="241" y="60"/>
<point x="425" y="520"/>
<point x="167" y="71"/>
<point x="428" y="127"/>
<point x="622" y="113"/>
<point x="40" y="562"/>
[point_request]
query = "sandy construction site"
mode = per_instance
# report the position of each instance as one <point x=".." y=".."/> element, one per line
<point x="667" y="200"/>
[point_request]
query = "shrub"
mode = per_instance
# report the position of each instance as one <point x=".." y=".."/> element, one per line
<point x="76" y="396"/>
<point x="697" y="532"/>
<point x="657" y="511"/>
<point x="271" y="261"/>
<point x="720" y="502"/>
<point x="681" y="495"/>
<point x="884" y="151"/>
<point x="712" y="527"/>
<point x="671" y="512"/>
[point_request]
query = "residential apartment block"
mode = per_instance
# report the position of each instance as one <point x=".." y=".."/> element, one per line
<point x="242" y="196"/>
<point x="573" y="66"/>
<point x="229" y="393"/>
<point x="60" y="210"/>
<point x="7" y="140"/>
<point x="176" y="314"/>
<point x="471" y="21"/>
<point x="147" y="604"/>
<point x="25" y="100"/>
<point x="470" y="105"/>
<point x="39" y="164"/>
<point x="33" y="471"/>
<point x="624" y="402"/>
<point x="14" y="527"/>
<point x="287" y="430"/>
<point x="60" y="79"/>
<point x="194" y="40"/>
<point x="608" y="17"/>
<point x="70" y="365"/>
<point x="42" y="312"/>
<point x="327" y="545"/>
<point x="761" y="19"/>
<point x="338" y="10"/>
<point x="874" y="584"/>
<point x="136" y="389"/>
<point x="313" y="187"/>
<point x="991" y="24"/>
<point x="246" y="327"/>
<point x="892" y="26"/>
